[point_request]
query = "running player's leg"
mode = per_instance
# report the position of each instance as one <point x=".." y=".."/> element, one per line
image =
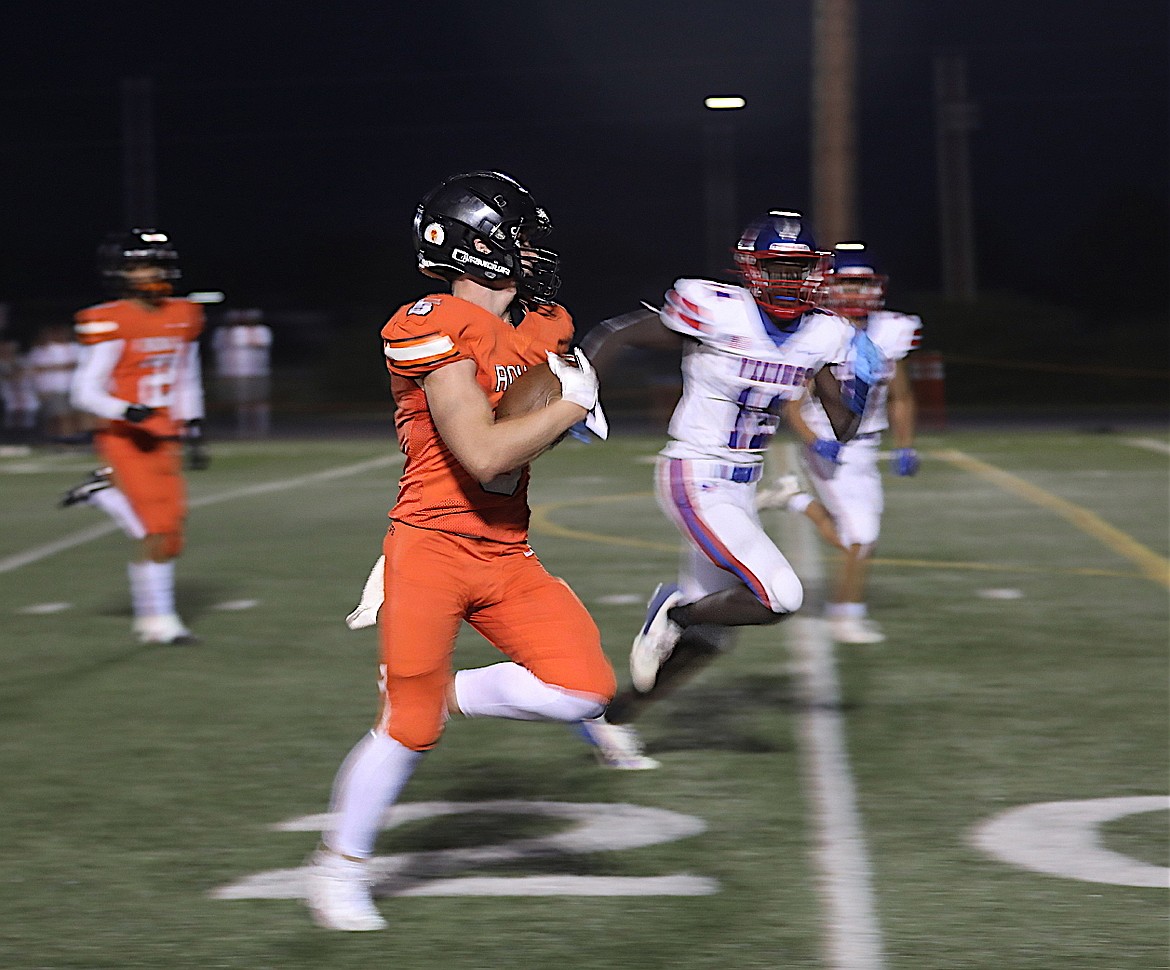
<point x="854" y="496"/>
<point x="417" y="629"/>
<point x="559" y="673"/>
<point x="147" y="473"/>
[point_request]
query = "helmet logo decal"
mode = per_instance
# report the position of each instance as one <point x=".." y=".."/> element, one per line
<point x="434" y="234"/>
<point x="462" y="256"/>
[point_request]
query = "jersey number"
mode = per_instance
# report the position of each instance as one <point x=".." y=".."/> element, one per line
<point x="756" y="421"/>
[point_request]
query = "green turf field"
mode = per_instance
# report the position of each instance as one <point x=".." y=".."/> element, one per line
<point x="815" y="809"/>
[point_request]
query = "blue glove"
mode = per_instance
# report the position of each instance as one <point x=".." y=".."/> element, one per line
<point x="828" y="449"/>
<point x="824" y="455"/>
<point x="905" y="461"/>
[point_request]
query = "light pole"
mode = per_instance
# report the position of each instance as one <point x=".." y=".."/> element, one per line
<point x="956" y="116"/>
<point x="720" y="178"/>
<point x="138" y="168"/>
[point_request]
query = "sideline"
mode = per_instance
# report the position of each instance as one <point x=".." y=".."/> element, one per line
<point x="75" y="539"/>
<point x="1152" y="566"/>
<point x="853" y="939"/>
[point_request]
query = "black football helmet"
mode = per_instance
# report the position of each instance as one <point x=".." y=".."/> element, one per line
<point x="484" y="225"/>
<point x="780" y="263"/>
<point x="854" y="288"/>
<point x="122" y="251"/>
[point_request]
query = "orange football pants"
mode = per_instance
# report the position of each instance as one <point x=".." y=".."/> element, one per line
<point x="434" y="581"/>
<point x="148" y="470"/>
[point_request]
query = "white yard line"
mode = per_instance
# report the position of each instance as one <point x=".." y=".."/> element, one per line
<point x="1150" y="444"/>
<point x="853" y="938"/>
<point x="75" y="539"/>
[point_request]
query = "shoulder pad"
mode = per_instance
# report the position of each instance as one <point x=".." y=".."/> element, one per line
<point x="896" y="334"/>
<point x="693" y="306"/>
<point x="419" y="337"/>
<point x="97" y="323"/>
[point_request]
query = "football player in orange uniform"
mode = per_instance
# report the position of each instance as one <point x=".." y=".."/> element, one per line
<point x="139" y="374"/>
<point x="457" y="546"/>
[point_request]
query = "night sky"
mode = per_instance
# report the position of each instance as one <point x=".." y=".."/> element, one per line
<point x="294" y="141"/>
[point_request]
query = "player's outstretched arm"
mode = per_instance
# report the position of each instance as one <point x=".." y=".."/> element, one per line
<point x="641" y="329"/>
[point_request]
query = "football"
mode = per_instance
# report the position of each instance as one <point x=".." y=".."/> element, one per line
<point x="536" y="388"/>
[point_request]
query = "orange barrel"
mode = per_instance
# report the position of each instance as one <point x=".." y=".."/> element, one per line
<point x="928" y="379"/>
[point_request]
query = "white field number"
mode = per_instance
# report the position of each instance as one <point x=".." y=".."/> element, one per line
<point x="593" y="827"/>
<point x="1062" y="839"/>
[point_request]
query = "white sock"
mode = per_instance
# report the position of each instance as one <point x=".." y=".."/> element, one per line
<point x="841" y="611"/>
<point x="115" y="504"/>
<point x="368" y="783"/>
<point x="139" y="589"/>
<point x="152" y="588"/>
<point x="509" y="690"/>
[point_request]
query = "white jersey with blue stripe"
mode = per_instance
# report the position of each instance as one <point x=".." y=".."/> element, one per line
<point x="895" y="334"/>
<point x="740" y="368"/>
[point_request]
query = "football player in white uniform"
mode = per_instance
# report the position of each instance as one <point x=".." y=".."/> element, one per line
<point x="749" y="349"/>
<point x="852" y="488"/>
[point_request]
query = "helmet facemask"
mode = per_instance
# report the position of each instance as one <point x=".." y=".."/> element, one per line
<point x="539" y="280"/>
<point x="122" y="256"/>
<point x="780" y="264"/>
<point x="853" y="294"/>
<point x="785" y="284"/>
<point x="855" y="288"/>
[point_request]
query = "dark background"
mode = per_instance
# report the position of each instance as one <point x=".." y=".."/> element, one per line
<point x="293" y="143"/>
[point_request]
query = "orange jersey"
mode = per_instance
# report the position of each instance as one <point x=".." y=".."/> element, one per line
<point x="435" y="491"/>
<point x="155" y="341"/>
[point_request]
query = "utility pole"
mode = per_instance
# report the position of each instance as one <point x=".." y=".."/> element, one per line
<point x="719" y="151"/>
<point x="955" y="118"/>
<point x="834" y="122"/>
<point x="138" y="167"/>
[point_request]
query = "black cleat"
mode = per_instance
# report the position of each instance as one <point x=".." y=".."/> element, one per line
<point x="97" y="480"/>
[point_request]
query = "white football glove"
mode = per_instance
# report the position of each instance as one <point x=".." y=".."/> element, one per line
<point x="366" y="612"/>
<point x="578" y="384"/>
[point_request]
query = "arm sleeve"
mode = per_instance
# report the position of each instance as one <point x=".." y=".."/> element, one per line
<point x="88" y="389"/>
<point x="188" y="404"/>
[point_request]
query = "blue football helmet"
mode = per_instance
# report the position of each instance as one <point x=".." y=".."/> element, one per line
<point x="854" y="288"/>
<point x="780" y="263"/>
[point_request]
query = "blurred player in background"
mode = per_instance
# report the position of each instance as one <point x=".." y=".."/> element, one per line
<point x="457" y="546"/>
<point x="139" y="374"/>
<point x="749" y="349"/>
<point x="52" y="360"/>
<point x="852" y="488"/>
<point x="243" y="367"/>
<point x="17" y="394"/>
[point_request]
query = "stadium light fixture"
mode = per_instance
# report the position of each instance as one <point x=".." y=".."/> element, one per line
<point x="724" y="103"/>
